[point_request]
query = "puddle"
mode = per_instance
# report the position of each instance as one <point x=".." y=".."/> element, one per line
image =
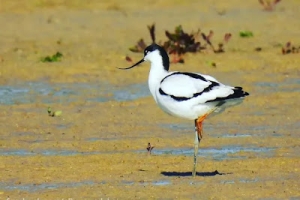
<point x="63" y="126"/>
<point x="219" y="154"/>
<point x="19" y="152"/>
<point x="161" y="182"/>
<point x="237" y="135"/>
<point x="23" y="152"/>
<point x="224" y="153"/>
<point x="197" y="183"/>
<point x="234" y="135"/>
<point x="185" y="128"/>
<point x="44" y="186"/>
<point x="52" y="186"/>
<point x="32" y="92"/>
<point x="247" y="131"/>
<point x="179" y="127"/>
<point x="228" y="182"/>
<point x="94" y="139"/>
<point x="117" y="138"/>
<point x="248" y="180"/>
<point x="22" y="133"/>
<point x="295" y="198"/>
<point x="288" y="85"/>
<point x="168" y="182"/>
<point x="127" y="182"/>
<point x="240" y="181"/>
<point x="153" y="183"/>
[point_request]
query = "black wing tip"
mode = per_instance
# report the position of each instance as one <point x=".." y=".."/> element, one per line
<point x="239" y="92"/>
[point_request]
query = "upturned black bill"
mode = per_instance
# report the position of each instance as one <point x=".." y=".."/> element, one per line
<point x="134" y="64"/>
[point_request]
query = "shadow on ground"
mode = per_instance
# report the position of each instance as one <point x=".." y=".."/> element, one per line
<point x="214" y="173"/>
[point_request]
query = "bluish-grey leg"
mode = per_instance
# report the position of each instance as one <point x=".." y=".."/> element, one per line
<point x="196" y="146"/>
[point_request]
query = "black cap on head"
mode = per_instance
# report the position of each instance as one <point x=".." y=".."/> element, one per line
<point x="162" y="52"/>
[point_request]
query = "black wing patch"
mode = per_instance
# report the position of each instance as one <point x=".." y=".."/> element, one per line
<point x="192" y="75"/>
<point x="238" y="93"/>
<point x="207" y="89"/>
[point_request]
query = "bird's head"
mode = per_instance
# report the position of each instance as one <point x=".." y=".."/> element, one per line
<point x="156" y="55"/>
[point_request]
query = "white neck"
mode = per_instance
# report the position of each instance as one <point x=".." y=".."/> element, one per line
<point x="156" y="74"/>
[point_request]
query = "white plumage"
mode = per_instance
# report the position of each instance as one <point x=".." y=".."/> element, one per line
<point x="187" y="95"/>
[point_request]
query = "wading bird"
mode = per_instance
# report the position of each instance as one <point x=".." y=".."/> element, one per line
<point x="187" y="95"/>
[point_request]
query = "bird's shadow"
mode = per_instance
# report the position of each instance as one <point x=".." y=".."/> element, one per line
<point x="214" y="173"/>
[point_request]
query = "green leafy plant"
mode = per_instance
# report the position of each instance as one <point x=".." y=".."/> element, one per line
<point x="53" y="113"/>
<point x="211" y="63"/>
<point x="54" y="58"/>
<point x="246" y="34"/>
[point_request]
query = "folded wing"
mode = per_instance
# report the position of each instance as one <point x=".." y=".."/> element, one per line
<point x="184" y="86"/>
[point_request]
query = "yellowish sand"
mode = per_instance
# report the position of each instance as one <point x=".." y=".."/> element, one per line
<point x="94" y="37"/>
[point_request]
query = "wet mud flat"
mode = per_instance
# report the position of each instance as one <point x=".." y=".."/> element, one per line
<point x="97" y="147"/>
<point x="75" y="155"/>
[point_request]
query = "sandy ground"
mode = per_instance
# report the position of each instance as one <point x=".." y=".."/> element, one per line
<point x="97" y="148"/>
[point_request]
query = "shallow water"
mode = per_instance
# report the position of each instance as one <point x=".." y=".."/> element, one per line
<point x="45" y="186"/>
<point x="97" y="147"/>
<point x="215" y="130"/>
<point x="288" y="85"/>
<point x="42" y="92"/>
<point x="221" y="153"/>
<point x="32" y="92"/>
